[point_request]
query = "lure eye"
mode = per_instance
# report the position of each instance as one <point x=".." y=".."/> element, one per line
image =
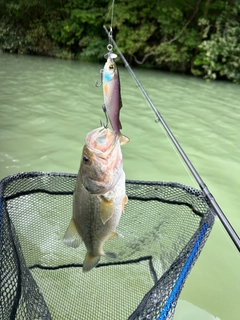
<point x="111" y="66"/>
<point x="85" y="159"/>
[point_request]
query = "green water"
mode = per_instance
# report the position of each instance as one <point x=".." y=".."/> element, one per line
<point x="48" y="106"/>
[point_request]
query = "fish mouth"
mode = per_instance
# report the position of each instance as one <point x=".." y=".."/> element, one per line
<point x="102" y="142"/>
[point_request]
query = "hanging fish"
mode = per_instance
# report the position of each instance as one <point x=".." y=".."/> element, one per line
<point x="111" y="91"/>
<point x="99" y="196"/>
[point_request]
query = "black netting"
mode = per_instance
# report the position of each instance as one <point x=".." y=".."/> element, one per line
<point x="165" y="226"/>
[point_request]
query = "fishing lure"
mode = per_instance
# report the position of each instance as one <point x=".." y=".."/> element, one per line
<point x="111" y="91"/>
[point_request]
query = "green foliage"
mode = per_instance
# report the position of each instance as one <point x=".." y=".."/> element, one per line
<point x="94" y="49"/>
<point x="220" y="51"/>
<point x="160" y="34"/>
<point x="67" y="28"/>
<point x="12" y="38"/>
<point x="191" y="36"/>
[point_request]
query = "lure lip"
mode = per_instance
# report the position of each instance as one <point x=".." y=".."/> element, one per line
<point x="110" y="55"/>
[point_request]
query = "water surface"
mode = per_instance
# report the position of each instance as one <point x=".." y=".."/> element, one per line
<point x="48" y="106"/>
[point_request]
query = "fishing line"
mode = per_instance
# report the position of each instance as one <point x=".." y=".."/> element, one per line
<point x="211" y="200"/>
<point x="111" y="11"/>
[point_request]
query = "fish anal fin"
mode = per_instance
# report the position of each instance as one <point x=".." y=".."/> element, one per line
<point x="71" y="237"/>
<point x="90" y="262"/>
<point x="106" y="209"/>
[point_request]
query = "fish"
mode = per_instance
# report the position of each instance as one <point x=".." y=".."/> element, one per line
<point x="99" y="196"/>
<point x="112" y="91"/>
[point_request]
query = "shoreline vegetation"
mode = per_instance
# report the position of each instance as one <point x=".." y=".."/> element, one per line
<point x="198" y="37"/>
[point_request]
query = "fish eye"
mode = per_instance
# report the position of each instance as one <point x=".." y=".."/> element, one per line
<point x="85" y="159"/>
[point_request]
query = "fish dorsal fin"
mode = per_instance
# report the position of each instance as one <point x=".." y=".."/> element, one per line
<point x="71" y="237"/>
<point x="106" y="209"/>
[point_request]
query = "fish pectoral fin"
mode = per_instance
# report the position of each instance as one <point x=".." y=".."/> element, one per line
<point x="123" y="139"/>
<point x="71" y="237"/>
<point x="106" y="209"/>
<point x="124" y="201"/>
<point x="90" y="262"/>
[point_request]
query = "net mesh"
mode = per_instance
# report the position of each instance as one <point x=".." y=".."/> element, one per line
<point x="165" y="226"/>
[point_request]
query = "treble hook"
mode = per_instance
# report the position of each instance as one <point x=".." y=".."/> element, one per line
<point x="105" y="112"/>
<point x="101" y="77"/>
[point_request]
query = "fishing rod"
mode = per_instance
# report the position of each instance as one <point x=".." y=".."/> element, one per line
<point x="228" y="227"/>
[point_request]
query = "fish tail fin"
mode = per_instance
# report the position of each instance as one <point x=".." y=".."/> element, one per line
<point x="90" y="262"/>
<point x="71" y="237"/>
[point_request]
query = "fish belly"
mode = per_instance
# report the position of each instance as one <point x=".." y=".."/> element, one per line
<point x="87" y="214"/>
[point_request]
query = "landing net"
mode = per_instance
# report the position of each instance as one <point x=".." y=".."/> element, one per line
<point x="165" y="226"/>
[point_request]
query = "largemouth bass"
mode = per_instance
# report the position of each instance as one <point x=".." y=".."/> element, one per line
<point x="99" y="196"/>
